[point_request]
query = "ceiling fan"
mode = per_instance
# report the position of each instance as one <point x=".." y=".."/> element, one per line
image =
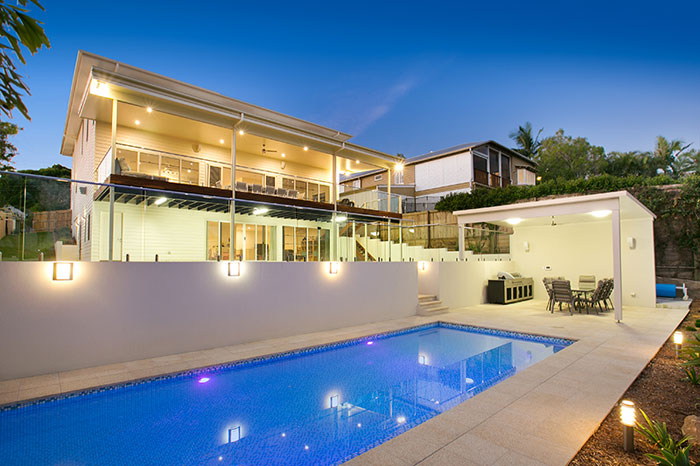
<point x="267" y="151"/>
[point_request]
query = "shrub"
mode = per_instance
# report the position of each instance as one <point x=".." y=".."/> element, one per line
<point x="690" y="328"/>
<point x="672" y="453"/>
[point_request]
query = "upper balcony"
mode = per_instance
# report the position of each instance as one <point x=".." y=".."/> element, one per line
<point x="162" y="151"/>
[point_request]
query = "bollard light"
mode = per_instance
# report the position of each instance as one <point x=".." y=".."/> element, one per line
<point x="678" y="340"/>
<point x="628" y="418"/>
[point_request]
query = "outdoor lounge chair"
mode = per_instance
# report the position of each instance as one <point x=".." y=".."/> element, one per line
<point x="586" y="282"/>
<point x="241" y="186"/>
<point x="257" y="188"/>
<point x="561" y="293"/>
<point x="594" y="299"/>
<point x="282" y="192"/>
<point x="270" y="190"/>
<point x="547" y="282"/>
<point x="607" y="294"/>
<point x="293" y="193"/>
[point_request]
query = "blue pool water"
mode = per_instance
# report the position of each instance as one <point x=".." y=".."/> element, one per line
<point x="317" y="407"/>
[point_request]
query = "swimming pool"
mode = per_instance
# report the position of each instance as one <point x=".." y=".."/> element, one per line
<point x="318" y="406"/>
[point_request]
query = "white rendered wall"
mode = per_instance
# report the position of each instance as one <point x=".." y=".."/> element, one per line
<point x="116" y="312"/>
<point x="444" y="171"/>
<point x="460" y="284"/>
<point x="571" y="250"/>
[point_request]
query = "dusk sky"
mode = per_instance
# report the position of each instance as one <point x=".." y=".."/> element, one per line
<point x="401" y="77"/>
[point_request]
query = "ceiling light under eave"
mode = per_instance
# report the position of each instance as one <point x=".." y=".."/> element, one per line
<point x="160" y="200"/>
<point x="513" y="221"/>
<point x="149" y="109"/>
<point x="601" y="213"/>
<point x="306" y="148"/>
<point x="137" y="122"/>
<point x="221" y="141"/>
<point x="241" y="132"/>
<point x="283" y="155"/>
<point x="260" y="210"/>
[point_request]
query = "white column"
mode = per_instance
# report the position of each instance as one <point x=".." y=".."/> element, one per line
<point x="232" y="233"/>
<point x="460" y="232"/>
<point x="617" y="264"/>
<point x="111" y="171"/>
<point x="334" y="194"/>
<point x="388" y="189"/>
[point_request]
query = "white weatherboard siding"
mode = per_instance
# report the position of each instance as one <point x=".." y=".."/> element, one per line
<point x="176" y="235"/>
<point x="444" y="171"/>
<point x="585" y="248"/>
<point x="116" y="312"/>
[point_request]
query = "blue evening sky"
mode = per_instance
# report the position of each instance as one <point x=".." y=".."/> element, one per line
<point x="400" y="76"/>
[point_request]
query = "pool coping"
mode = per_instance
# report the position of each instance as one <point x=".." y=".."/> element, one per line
<point x="539" y="416"/>
<point x="533" y="337"/>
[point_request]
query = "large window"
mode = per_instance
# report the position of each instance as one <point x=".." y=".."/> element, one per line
<point x="253" y="242"/>
<point x="494" y="166"/>
<point x="505" y="166"/>
<point x="526" y="177"/>
<point x="303" y="244"/>
<point x="480" y="163"/>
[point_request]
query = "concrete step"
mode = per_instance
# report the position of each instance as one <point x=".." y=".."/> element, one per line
<point x="431" y="311"/>
<point x="432" y="303"/>
<point x="426" y="297"/>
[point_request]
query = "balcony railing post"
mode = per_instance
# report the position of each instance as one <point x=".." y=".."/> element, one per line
<point x="113" y="161"/>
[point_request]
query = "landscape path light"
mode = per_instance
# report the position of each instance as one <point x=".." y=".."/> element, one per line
<point x="628" y="418"/>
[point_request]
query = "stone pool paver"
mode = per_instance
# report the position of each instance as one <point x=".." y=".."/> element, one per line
<point x="541" y="416"/>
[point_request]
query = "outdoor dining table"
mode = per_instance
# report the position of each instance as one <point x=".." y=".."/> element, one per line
<point x="582" y="291"/>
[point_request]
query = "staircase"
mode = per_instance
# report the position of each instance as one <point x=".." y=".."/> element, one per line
<point x="429" y="305"/>
<point x="360" y="253"/>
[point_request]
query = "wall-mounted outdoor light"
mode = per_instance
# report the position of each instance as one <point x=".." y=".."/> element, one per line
<point x="333" y="268"/>
<point x="628" y="418"/>
<point x="234" y="269"/>
<point x="526" y="246"/>
<point x="632" y="242"/>
<point x="422" y="266"/>
<point x="678" y="340"/>
<point x="333" y="402"/>
<point x="62" y="271"/>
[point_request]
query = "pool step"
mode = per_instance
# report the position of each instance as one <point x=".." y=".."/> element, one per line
<point x="429" y="305"/>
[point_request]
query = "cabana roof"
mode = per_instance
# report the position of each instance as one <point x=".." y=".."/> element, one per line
<point x="576" y="208"/>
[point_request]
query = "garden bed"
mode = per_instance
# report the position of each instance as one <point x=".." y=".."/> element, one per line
<point x="663" y="392"/>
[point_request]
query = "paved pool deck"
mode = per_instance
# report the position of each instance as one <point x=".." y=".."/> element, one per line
<point x="540" y="416"/>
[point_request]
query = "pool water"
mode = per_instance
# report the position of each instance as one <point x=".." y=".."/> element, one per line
<point x="316" y="407"/>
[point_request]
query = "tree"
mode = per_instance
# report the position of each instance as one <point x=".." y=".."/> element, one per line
<point x="633" y="163"/>
<point x="526" y="143"/>
<point x="565" y="157"/>
<point x="18" y="30"/>
<point x="672" y="156"/>
<point x="7" y="149"/>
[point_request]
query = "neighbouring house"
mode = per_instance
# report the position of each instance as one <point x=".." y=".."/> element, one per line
<point x="9" y="217"/>
<point x="428" y="177"/>
<point x="186" y="174"/>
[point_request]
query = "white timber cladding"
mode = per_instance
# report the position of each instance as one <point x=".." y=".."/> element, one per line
<point x="176" y="235"/>
<point x="82" y="194"/>
<point x="207" y="152"/>
<point x="444" y="171"/>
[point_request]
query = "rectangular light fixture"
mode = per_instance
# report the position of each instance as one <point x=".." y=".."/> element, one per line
<point x="333" y="268"/>
<point x="260" y="210"/>
<point x="160" y="200"/>
<point x="234" y="435"/>
<point x="234" y="269"/>
<point x="334" y="401"/>
<point x="62" y="271"/>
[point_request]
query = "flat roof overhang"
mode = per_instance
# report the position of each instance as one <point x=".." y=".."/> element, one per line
<point x="132" y="190"/>
<point x="142" y="88"/>
<point x="578" y="206"/>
